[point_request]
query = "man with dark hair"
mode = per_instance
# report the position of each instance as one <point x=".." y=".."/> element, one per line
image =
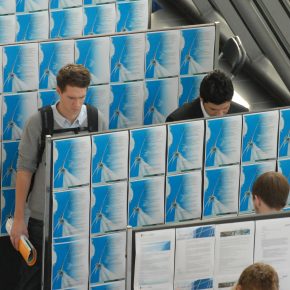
<point x="215" y="99"/>
<point x="68" y="113"/>
<point x="258" y="276"/>
<point x="270" y="192"/>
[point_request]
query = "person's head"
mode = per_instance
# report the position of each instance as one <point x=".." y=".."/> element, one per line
<point x="258" y="276"/>
<point x="270" y="192"/>
<point x="216" y="92"/>
<point x="72" y="83"/>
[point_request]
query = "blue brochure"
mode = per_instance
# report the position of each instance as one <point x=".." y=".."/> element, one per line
<point x="52" y="57"/>
<point x="132" y="16"/>
<point x="160" y="100"/>
<point x="100" y="19"/>
<point x="16" y="111"/>
<point x="127" y="57"/>
<point x="221" y="191"/>
<point x="94" y="54"/>
<point x="89" y="2"/>
<point x="260" y="133"/>
<point x="162" y="54"/>
<point x="7" y="7"/>
<point x="54" y="4"/>
<point x="183" y="196"/>
<point x="249" y="173"/>
<point x="99" y="96"/>
<point x="146" y="202"/>
<point x="31" y="5"/>
<point x="71" y="216"/>
<point x="127" y="104"/>
<point x="20" y="70"/>
<point x="7" y="28"/>
<point x="7" y="207"/>
<point x="32" y="26"/>
<point x="108" y="257"/>
<point x="71" y="160"/>
<point x="185" y="146"/>
<point x="110" y="157"/>
<point x="46" y="98"/>
<point x="9" y="161"/>
<point x="223" y="141"/>
<point x="147" y="151"/>
<point x="197" y="50"/>
<point x="109" y="207"/>
<point x="66" y="22"/>
<point x="284" y="133"/>
<point x="284" y="168"/>
<point x="118" y="285"/>
<point x="70" y="264"/>
<point x="189" y="88"/>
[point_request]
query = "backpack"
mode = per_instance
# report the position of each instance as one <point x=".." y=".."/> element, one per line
<point x="47" y="122"/>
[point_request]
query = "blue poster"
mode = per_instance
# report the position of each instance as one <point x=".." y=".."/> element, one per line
<point x="160" y="100"/>
<point x="197" y="50"/>
<point x="132" y="16"/>
<point x="189" y="88"/>
<point x="7" y="28"/>
<point x="47" y="98"/>
<point x="71" y="214"/>
<point x="284" y="133"/>
<point x="9" y="161"/>
<point x="94" y="54"/>
<point x="162" y="54"/>
<point x="146" y="202"/>
<point x="54" y="4"/>
<point x="52" y="57"/>
<point x="185" y="146"/>
<point x="16" y="110"/>
<point x="109" y="207"/>
<point x="31" y="5"/>
<point x="32" y="26"/>
<point x="127" y="57"/>
<point x="71" y="158"/>
<point x="147" y="151"/>
<point x="7" y="207"/>
<point x="108" y="257"/>
<point x="223" y="141"/>
<point x="126" y="105"/>
<point x="221" y="191"/>
<point x="110" y="157"/>
<point x="66" y="23"/>
<point x="100" y="19"/>
<point x="183" y="197"/>
<point x="284" y="168"/>
<point x="260" y="133"/>
<point x="20" y="69"/>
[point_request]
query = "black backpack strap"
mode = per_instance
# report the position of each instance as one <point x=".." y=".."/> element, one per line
<point x="93" y="118"/>
<point x="47" y="123"/>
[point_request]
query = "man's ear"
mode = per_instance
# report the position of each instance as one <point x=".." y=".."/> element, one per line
<point x="238" y="287"/>
<point x="58" y="90"/>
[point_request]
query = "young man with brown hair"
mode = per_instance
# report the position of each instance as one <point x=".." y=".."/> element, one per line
<point x="258" y="276"/>
<point x="270" y="192"/>
<point x="68" y="113"/>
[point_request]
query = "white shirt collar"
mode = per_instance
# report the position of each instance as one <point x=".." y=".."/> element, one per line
<point x="205" y="114"/>
<point x="65" y="123"/>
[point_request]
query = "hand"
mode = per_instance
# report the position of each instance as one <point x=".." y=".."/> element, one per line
<point x="18" y="228"/>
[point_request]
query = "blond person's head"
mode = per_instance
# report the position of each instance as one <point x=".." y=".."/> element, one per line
<point x="258" y="276"/>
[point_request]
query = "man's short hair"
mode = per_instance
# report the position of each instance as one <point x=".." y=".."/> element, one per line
<point x="75" y="75"/>
<point x="216" y="87"/>
<point x="259" y="276"/>
<point x="273" y="188"/>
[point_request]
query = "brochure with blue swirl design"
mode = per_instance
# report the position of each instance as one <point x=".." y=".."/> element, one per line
<point x="31" y="5"/>
<point x="52" y="57"/>
<point x="284" y="134"/>
<point x="284" y="168"/>
<point x="7" y="207"/>
<point x="20" y="69"/>
<point x="185" y="146"/>
<point x="221" y="191"/>
<point x="183" y="196"/>
<point x="108" y="257"/>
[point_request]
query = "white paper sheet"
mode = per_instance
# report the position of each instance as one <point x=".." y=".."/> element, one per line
<point x="272" y="246"/>
<point x="154" y="262"/>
